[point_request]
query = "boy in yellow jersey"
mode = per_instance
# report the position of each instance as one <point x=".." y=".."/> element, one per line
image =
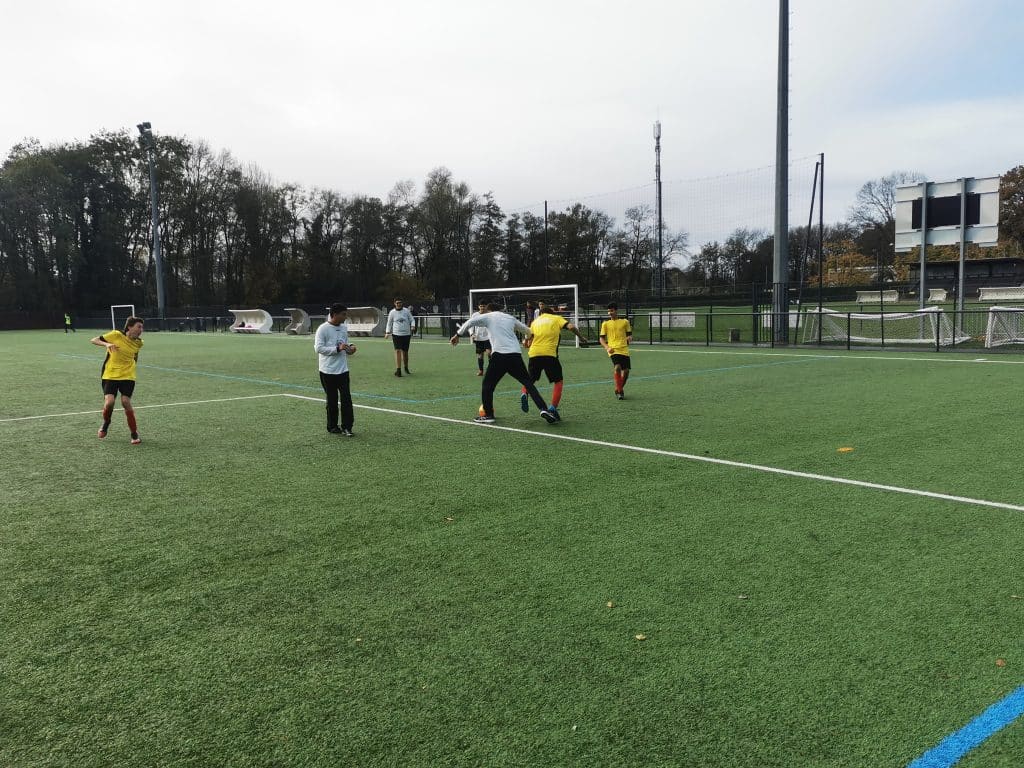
<point x="616" y="336"/>
<point x="547" y="332"/>
<point x="118" y="373"/>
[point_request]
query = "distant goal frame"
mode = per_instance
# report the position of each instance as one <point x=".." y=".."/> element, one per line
<point x="535" y="289"/>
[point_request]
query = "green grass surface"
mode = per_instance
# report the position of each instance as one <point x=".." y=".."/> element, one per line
<point x="244" y="589"/>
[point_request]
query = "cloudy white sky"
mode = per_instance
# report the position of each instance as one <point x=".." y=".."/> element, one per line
<point x="531" y="100"/>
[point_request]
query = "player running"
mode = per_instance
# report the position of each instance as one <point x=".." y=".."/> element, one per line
<point x="547" y="333"/>
<point x="616" y="336"/>
<point x="118" y="373"/>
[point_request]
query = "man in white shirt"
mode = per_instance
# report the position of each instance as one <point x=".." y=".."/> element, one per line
<point x="505" y="358"/>
<point x="481" y="339"/>
<point x="332" y="347"/>
<point x="400" y="327"/>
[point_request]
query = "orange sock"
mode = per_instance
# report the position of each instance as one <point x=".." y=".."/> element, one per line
<point x="556" y="393"/>
<point x="618" y="381"/>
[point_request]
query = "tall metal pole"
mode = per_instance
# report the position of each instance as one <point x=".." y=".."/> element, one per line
<point x="661" y="252"/>
<point x="924" y="242"/>
<point x="821" y="228"/>
<point x="545" y="242"/>
<point x="963" y="253"/>
<point x="780" y="291"/>
<point x="149" y="144"/>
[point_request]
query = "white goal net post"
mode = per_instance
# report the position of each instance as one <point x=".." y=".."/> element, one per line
<point x="928" y="326"/>
<point x="119" y="313"/>
<point x="1005" y="326"/>
<point x="562" y="299"/>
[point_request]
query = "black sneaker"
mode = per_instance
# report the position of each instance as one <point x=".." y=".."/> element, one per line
<point x="554" y="412"/>
<point x="408" y="372"/>
<point x="334" y="430"/>
<point x="398" y="371"/>
<point x="549" y="417"/>
<point x="524" y="402"/>
<point x="347" y="432"/>
<point x="484" y="419"/>
<point x="620" y="395"/>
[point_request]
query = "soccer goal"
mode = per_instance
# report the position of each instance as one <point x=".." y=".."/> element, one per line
<point x="562" y="299"/>
<point x="119" y="313"/>
<point x="924" y="326"/>
<point x="1005" y="326"/>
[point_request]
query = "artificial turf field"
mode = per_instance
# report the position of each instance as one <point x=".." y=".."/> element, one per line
<point x="244" y="589"/>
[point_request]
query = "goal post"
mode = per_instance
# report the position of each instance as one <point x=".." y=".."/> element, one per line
<point x="563" y="299"/>
<point x="928" y="326"/>
<point x="119" y="313"/>
<point x="1005" y="326"/>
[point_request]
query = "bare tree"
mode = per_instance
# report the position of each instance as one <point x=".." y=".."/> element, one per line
<point x="876" y="200"/>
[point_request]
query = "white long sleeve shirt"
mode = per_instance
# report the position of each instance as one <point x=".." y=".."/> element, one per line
<point x="479" y="332"/>
<point x="326" y="342"/>
<point x="400" y="322"/>
<point x="502" y="329"/>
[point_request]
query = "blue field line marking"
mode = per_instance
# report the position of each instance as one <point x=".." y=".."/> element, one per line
<point x="249" y="380"/>
<point x="949" y="751"/>
<point x="471" y="396"/>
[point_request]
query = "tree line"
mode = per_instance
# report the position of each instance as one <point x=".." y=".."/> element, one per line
<point x="75" y="232"/>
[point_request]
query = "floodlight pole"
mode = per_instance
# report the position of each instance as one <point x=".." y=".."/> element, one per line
<point x="148" y="143"/>
<point x="780" y="289"/>
<point x="661" y="252"/>
<point x="963" y="252"/>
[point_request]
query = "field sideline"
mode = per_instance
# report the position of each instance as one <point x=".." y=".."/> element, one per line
<point x="759" y="558"/>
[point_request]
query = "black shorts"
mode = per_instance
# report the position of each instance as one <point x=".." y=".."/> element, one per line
<point x="401" y="342"/>
<point x="622" y="361"/>
<point x="112" y="386"/>
<point x="482" y="346"/>
<point x="550" y="366"/>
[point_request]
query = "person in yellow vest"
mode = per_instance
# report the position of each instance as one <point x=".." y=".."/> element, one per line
<point x="68" y="325"/>
<point x="118" y="372"/>
<point x="616" y="336"/>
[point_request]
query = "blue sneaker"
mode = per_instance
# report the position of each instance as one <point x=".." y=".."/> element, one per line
<point x="554" y="412"/>
<point x="524" y="402"/>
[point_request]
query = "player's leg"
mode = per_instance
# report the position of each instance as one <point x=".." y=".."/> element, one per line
<point x="496" y="369"/>
<point x="625" y="365"/>
<point x="521" y="375"/>
<point x="330" y="385"/>
<point x="127" y="390"/>
<point x="347" y="412"/>
<point x="535" y="367"/>
<point x="553" y="370"/>
<point x="109" y="395"/>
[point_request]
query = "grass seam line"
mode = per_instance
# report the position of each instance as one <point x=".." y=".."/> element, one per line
<point x="694" y="457"/>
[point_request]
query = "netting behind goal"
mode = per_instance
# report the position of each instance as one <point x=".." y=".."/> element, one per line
<point x="1005" y="326"/>
<point x="928" y="326"/>
<point x="563" y="299"/>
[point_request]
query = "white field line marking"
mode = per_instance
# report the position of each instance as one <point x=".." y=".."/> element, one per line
<point x="139" y="407"/>
<point x="693" y="457"/>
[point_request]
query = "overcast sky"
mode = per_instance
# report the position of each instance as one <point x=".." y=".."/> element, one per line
<point x="531" y="100"/>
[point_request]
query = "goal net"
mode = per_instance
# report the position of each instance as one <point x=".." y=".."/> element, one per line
<point x="561" y="299"/>
<point x="1005" y="326"/>
<point x="925" y="326"/>
<point x="119" y="313"/>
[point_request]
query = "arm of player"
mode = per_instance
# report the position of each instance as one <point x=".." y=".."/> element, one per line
<point x="99" y="341"/>
<point x="575" y="330"/>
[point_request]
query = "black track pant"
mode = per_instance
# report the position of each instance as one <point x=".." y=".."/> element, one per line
<point x="336" y="387"/>
<point x="512" y="364"/>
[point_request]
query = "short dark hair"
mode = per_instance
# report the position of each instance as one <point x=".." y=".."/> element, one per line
<point x="338" y="308"/>
<point x="491" y="306"/>
<point x="132" y="321"/>
<point x="613" y="305"/>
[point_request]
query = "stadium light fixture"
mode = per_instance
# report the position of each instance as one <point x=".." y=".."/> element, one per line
<point x="148" y="143"/>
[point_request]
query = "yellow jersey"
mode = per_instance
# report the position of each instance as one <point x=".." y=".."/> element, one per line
<point x="547" y="332"/>
<point x="615" y="333"/>
<point x="119" y="364"/>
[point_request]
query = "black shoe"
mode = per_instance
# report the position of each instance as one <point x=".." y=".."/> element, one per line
<point x="408" y="372"/>
<point x="335" y="430"/>
<point x="398" y="371"/>
<point x="484" y="419"/>
<point x="549" y="417"/>
<point x="620" y="395"/>
<point x="347" y="432"/>
<point x="524" y="402"/>
<point x="554" y="412"/>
